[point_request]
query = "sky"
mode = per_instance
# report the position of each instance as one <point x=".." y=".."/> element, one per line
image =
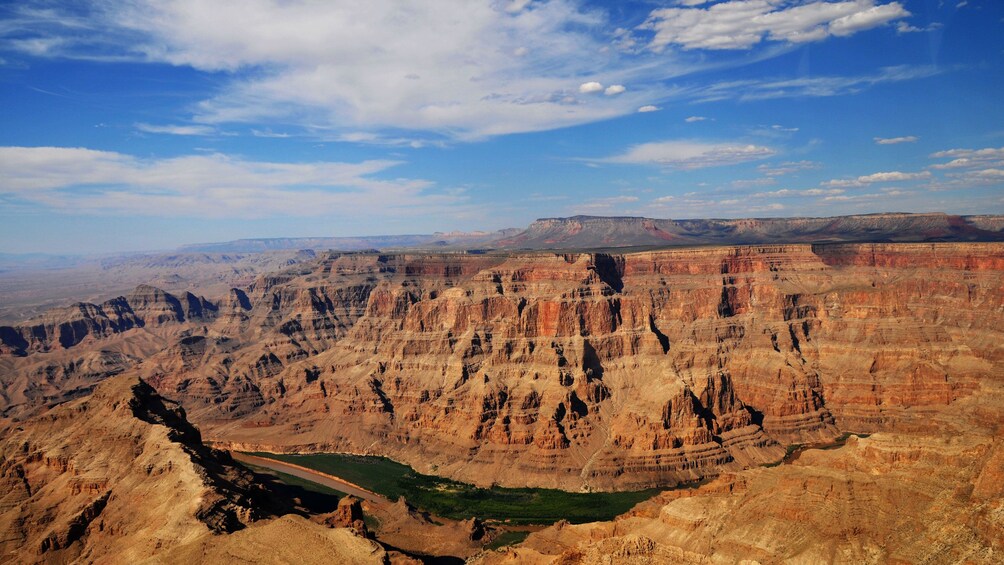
<point x="131" y="125"/>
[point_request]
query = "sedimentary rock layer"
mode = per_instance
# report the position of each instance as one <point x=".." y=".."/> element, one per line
<point x="577" y="370"/>
<point x="890" y="498"/>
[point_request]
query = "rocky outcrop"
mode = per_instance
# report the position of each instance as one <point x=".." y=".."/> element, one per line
<point x="63" y="328"/>
<point x="349" y="514"/>
<point x="72" y="478"/>
<point x="121" y="475"/>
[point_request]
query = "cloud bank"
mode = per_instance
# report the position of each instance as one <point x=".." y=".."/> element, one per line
<point x="451" y="70"/>
<point x="213" y="186"/>
<point x="690" y="154"/>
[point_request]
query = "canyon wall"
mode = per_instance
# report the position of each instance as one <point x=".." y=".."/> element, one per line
<point x="570" y="370"/>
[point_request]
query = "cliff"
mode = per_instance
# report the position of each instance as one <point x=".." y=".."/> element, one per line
<point x="884" y="499"/>
<point x="62" y="328"/>
<point x="573" y="370"/>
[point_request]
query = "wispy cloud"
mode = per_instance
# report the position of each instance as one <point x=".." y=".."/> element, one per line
<point x="176" y="129"/>
<point x="865" y="180"/>
<point x="269" y="133"/>
<point x="215" y="185"/>
<point x="790" y="193"/>
<point x="903" y="27"/>
<point x="804" y="87"/>
<point x="602" y="205"/>
<point x="690" y="154"/>
<point x="787" y="168"/>
<point x="752" y="183"/>
<point x="896" y="140"/>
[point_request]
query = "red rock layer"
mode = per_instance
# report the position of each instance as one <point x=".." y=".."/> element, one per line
<point x="599" y="371"/>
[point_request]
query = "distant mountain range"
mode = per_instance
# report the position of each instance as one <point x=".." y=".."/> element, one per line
<point x="596" y="232"/>
<point x="361" y="243"/>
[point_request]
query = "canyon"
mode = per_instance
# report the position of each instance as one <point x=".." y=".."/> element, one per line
<point x="568" y="370"/>
<point x="586" y="371"/>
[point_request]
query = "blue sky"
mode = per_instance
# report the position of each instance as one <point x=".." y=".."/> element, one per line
<point x="146" y="124"/>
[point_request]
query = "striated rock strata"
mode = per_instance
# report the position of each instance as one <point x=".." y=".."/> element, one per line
<point x="900" y="497"/>
<point x="575" y="370"/>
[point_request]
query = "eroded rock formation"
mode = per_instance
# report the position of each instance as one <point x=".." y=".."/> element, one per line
<point x="121" y="475"/>
<point x="574" y="370"/>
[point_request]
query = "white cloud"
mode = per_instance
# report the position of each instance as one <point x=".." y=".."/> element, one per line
<point x="970" y="158"/>
<point x="590" y="87"/>
<point x="892" y="176"/>
<point x="215" y="185"/>
<point x="903" y="27"/>
<point x="742" y="24"/>
<point x="649" y="108"/>
<point x="993" y="174"/>
<point x="895" y="140"/>
<point x="614" y="89"/>
<point x="811" y="86"/>
<point x="750" y="183"/>
<point x="787" y="168"/>
<point x="175" y="129"/>
<point x="600" y="205"/>
<point x="690" y="154"/>
<point x="789" y="193"/>
<point x="869" y="197"/>
<point x="516" y="6"/>
<point x="693" y="119"/>
<point x="269" y="133"/>
<point x="485" y="68"/>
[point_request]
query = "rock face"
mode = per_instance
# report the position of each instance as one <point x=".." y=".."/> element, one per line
<point x="74" y="478"/>
<point x="890" y="498"/>
<point x="290" y="539"/>
<point x="63" y="328"/>
<point x="120" y="476"/>
<point x="575" y="370"/>
<point x="592" y="232"/>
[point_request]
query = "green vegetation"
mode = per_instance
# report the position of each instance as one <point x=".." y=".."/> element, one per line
<point x="295" y="481"/>
<point x="372" y="522"/>
<point x="451" y="499"/>
<point x="507" y="538"/>
<point x="314" y="497"/>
